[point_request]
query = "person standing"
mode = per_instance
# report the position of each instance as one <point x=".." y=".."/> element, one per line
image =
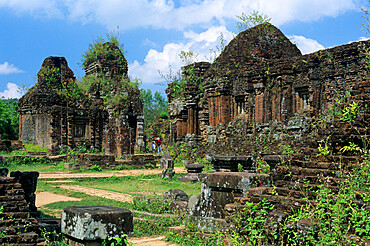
<point x="153" y="147"/>
<point x="159" y="143"/>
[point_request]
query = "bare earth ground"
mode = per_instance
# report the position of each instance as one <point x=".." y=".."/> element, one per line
<point x="44" y="198"/>
<point x="97" y="192"/>
<point x="146" y="241"/>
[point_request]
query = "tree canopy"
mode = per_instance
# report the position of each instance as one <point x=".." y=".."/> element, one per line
<point x="9" y="122"/>
<point x="154" y="105"/>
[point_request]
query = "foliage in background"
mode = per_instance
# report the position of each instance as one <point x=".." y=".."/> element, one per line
<point x="154" y="105"/>
<point x="177" y="82"/>
<point x="9" y="122"/>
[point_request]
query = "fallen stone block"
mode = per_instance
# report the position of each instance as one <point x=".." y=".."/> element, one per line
<point x="96" y="223"/>
<point x="176" y="195"/>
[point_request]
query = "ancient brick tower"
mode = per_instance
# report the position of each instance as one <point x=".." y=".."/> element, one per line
<point x="261" y="78"/>
<point x="124" y="131"/>
<point x="57" y="114"/>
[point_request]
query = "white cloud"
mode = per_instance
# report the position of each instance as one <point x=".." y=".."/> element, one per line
<point x="360" y="39"/>
<point x="39" y="8"/>
<point x="11" y="92"/>
<point x="130" y="14"/>
<point x="306" y="45"/>
<point x="284" y="11"/>
<point x="7" y="68"/>
<point x="204" y="44"/>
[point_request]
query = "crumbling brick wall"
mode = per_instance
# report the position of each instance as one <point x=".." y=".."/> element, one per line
<point x="261" y="77"/>
<point x="58" y="122"/>
<point x="16" y="225"/>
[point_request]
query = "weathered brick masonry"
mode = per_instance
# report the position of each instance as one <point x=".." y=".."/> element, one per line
<point x="261" y="77"/>
<point x="16" y="224"/>
<point x="57" y="122"/>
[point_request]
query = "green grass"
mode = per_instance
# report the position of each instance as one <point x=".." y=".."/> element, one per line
<point x="35" y="147"/>
<point x="143" y="183"/>
<point x="86" y="200"/>
<point x="38" y="168"/>
<point x="126" y="185"/>
<point x="16" y="152"/>
<point x="144" y="225"/>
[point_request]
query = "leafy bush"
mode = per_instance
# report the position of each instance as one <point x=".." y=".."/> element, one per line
<point x="116" y="241"/>
<point x="96" y="168"/>
<point x="26" y="160"/>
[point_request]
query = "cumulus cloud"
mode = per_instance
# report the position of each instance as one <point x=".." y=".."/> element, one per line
<point x="39" y="8"/>
<point x="284" y="11"/>
<point x="306" y="45"/>
<point x="7" y="68"/>
<point x="130" y="14"/>
<point x="11" y="92"/>
<point x="206" y="44"/>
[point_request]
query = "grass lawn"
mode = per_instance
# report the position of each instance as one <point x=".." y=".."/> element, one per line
<point x="146" y="225"/>
<point x="147" y="184"/>
<point x="143" y="183"/>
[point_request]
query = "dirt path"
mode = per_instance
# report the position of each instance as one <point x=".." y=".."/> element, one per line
<point x="43" y="198"/>
<point x="150" y="241"/>
<point x="97" y="192"/>
<point x="66" y="175"/>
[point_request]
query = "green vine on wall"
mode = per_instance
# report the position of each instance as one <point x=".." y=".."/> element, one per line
<point x="51" y="77"/>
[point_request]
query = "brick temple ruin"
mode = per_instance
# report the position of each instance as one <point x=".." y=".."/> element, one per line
<point x="59" y="121"/>
<point x="261" y="79"/>
<point x="260" y="98"/>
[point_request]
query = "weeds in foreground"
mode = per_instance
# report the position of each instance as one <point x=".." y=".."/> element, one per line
<point x="195" y="239"/>
<point x="339" y="217"/>
<point x="153" y="204"/>
<point x="116" y="241"/>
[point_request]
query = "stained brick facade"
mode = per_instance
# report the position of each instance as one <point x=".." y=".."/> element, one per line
<point x="57" y="122"/>
<point x="261" y="77"/>
<point x="16" y="224"/>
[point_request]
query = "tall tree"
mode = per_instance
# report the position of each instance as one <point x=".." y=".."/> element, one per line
<point x="9" y="121"/>
<point x="154" y="105"/>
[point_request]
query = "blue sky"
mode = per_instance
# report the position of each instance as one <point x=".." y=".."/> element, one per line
<point x="154" y="32"/>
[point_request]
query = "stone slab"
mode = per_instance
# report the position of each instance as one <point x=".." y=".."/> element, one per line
<point x="190" y="177"/>
<point x="219" y="189"/>
<point x="96" y="222"/>
<point x="234" y="180"/>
